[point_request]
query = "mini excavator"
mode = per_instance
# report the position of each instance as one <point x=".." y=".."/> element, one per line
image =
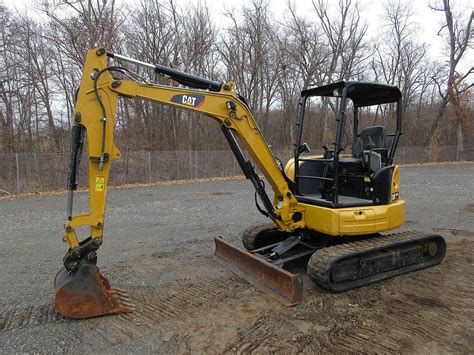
<point x="328" y="211"/>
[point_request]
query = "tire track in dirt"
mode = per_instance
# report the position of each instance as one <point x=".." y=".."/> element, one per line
<point x="170" y="304"/>
<point x="31" y="316"/>
<point x="469" y="208"/>
<point x="258" y="337"/>
<point x="455" y="232"/>
<point x="427" y="311"/>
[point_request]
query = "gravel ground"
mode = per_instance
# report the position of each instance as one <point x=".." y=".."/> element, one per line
<point x="158" y="245"/>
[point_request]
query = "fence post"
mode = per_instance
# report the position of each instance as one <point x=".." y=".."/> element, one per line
<point x="195" y="164"/>
<point x="190" y="164"/>
<point x="17" y="173"/>
<point x="233" y="166"/>
<point x="149" y="167"/>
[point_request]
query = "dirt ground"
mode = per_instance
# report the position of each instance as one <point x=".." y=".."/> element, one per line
<point x="160" y="250"/>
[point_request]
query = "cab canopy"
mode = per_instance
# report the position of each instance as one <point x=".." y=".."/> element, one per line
<point x="361" y="93"/>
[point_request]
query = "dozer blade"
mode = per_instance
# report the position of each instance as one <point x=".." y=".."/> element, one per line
<point x="85" y="293"/>
<point x="285" y="287"/>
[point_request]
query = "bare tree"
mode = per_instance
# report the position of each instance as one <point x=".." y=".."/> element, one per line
<point x="399" y="59"/>
<point x="152" y="36"/>
<point x="344" y="35"/>
<point x="271" y="60"/>
<point x="457" y="34"/>
<point x="7" y="72"/>
<point x="199" y="56"/>
<point x="248" y="51"/>
<point x="301" y="55"/>
<point x="73" y="28"/>
<point x="36" y="58"/>
<point x="78" y="26"/>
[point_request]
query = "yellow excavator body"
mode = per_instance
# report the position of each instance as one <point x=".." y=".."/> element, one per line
<point x="309" y="220"/>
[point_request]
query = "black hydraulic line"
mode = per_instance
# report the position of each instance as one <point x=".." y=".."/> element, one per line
<point x="103" y="158"/>
<point x="239" y="155"/>
<point x="77" y="142"/>
<point x="181" y="77"/>
<point x="189" y="80"/>
<point x="251" y="174"/>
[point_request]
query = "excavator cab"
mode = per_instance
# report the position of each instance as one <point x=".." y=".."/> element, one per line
<point x="350" y="198"/>
<point x="361" y="177"/>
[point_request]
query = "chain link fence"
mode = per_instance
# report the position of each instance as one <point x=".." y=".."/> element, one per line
<point x="36" y="172"/>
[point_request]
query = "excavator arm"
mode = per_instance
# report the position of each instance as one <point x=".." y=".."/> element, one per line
<point x="95" y="114"/>
<point x="94" y="121"/>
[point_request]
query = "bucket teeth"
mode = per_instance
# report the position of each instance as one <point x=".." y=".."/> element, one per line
<point x="123" y="300"/>
<point x="85" y="293"/>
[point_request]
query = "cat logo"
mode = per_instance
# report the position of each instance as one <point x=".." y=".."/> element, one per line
<point x="189" y="100"/>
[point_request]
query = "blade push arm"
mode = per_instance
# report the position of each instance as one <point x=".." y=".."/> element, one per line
<point x="95" y="112"/>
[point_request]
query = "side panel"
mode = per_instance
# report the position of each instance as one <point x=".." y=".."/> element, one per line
<point x="360" y="220"/>
<point x="355" y="221"/>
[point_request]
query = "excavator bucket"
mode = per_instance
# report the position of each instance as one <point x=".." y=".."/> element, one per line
<point x="285" y="287"/>
<point x="85" y="293"/>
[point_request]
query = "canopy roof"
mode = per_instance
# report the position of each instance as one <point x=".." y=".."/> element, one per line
<point x="362" y="93"/>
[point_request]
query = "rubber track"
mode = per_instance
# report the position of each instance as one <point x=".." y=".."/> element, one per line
<point x="321" y="260"/>
<point x="250" y="235"/>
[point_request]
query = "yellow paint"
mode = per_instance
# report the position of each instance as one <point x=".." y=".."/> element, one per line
<point x="355" y="221"/>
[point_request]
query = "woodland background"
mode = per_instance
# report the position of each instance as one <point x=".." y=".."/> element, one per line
<point x="271" y="58"/>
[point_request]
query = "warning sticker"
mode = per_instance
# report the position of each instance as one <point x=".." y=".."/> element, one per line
<point x="99" y="184"/>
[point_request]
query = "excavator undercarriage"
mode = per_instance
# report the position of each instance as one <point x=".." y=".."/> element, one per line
<point x="337" y="266"/>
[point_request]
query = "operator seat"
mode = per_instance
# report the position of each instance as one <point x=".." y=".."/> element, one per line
<point x="373" y="137"/>
<point x="370" y="138"/>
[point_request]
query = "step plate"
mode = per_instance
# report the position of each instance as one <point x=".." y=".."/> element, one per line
<point x="285" y="287"/>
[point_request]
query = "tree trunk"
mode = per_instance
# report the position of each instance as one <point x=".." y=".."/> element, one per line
<point x="437" y="120"/>
<point x="52" y="128"/>
<point x="7" y="127"/>
<point x="459" y="141"/>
